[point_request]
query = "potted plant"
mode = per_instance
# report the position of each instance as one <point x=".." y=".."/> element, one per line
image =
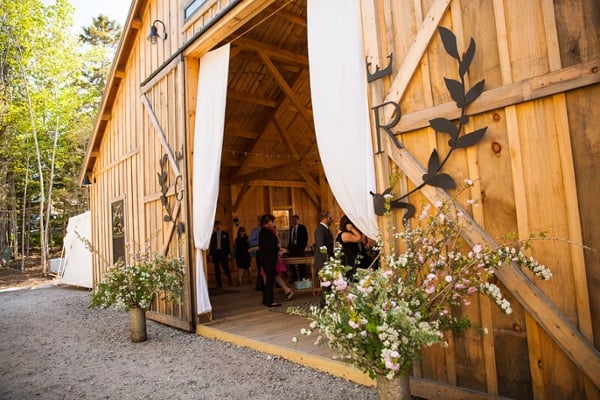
<point x="134" y="287"/>
<point x="381" y="319"/>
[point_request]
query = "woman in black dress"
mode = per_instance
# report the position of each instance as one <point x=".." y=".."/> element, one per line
<point x="351" y="240"/>
<point x="268" y="252"/>
<point x="242" y="255"/>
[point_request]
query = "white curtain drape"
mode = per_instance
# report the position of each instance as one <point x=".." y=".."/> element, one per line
<point x="208" y="143"/>
<point x="341" y="113"/>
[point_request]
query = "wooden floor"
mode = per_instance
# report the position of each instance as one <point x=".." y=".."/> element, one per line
<point x="240" y="318"/>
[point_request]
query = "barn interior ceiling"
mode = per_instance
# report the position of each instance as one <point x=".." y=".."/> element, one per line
<point x="269" y="135"/>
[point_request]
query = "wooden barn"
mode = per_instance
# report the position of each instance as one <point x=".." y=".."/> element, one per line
<point x="229" y="109"/>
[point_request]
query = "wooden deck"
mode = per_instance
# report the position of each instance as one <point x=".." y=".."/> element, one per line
<point x="240" y="318"/>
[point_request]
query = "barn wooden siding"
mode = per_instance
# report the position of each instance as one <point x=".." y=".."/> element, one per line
<point x="535" y="170"/>
<point x="143" y="121"/>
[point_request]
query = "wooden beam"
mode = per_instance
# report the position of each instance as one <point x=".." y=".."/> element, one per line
<point x="240" y="196"/>
<point x="430" y="389"/>
<point x="416" y="51"/>
<point x="252" y="98"/>
<point x="273" y="52"/>
<point x="285" y="137"/>
<point x="282" y="106"/>
<point x="310" y="181"/>
<point x="286" y="88"/>
<point x="240" y="131"/>
<point x="136" y="23"/>
<point x="314" y="199"/>
<point x="569" y="78"/>
<point x="251" y="55"/>
<point x="163" y="72"/>
<point x="161" y="135"/>
<point x="293" y="18"/>
<point x="265" y="173"/>
<point x="278" y="183"/>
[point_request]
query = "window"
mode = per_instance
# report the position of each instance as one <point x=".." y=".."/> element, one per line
<point x="191" y="8"/>
<point x="118" y="222"/>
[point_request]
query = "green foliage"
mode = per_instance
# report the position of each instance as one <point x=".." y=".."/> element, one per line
<point x="139" y="283"/>
<point x="99" y="41"/>
<point x="48" y="102"/>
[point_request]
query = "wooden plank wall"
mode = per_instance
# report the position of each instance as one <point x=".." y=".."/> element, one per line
<point x="535" y="171"/>
<point x="258" y="200"/>
<point x="130" y="152"/>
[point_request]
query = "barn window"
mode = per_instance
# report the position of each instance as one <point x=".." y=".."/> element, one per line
<point x="191" y="8"/>
<point x="118" y="223"/>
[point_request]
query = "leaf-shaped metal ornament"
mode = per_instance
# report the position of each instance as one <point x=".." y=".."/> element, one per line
<point x="444" y="125"/>
<point x="449" y="41"/>
<point x="468" y="139"/>
<point x="467" y="59"/>
<point x="180" y="228"/>
<point x="433" y="165"/>
<point x="410" y="209"/>
<point x="163" y="160"/>
<point x="379" y="201"/>
<point x="443" y="181"/>
<point x="162" y="177"/>
<point x="457" y="91"/>
<point x="474" y="92"/>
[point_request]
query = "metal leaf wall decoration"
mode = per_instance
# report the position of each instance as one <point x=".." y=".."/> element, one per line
<point x="163" y="181"/>
<point x="462" y="97"/>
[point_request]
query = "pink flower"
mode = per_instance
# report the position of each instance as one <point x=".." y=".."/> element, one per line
<point x="340" y="284"/>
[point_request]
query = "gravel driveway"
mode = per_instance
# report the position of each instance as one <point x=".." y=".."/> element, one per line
<point x="53" y="347"/>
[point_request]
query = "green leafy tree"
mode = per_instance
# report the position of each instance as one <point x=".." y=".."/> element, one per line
<point x="48" y="101"/>
<point x="99" y="41"/>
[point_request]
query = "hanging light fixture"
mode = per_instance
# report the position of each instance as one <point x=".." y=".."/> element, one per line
<point x="154" y="35"/>
<point x="86" y="181"/>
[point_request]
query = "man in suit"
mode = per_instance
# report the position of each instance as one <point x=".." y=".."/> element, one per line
<point x="323" y="238"/>
<point x="220" y="252"/>
<point x="298" y="239"/>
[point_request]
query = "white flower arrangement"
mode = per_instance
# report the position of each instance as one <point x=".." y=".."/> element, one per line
<point x="380" y="319"/>
<point x="137" y="284"/>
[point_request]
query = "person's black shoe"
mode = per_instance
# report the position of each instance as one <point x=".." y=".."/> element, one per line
<point x="272" y="305"/>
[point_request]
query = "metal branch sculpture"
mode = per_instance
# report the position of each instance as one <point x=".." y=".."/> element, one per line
<point x="463" y="97"/>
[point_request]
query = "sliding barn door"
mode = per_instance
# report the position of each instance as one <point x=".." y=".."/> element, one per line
<point x="539" y="60"/>
<point x="164" y="183"/>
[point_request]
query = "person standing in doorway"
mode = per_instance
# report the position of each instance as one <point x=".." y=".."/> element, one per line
<point x="353" y="243"/>
<point x="298" y="239"/>
<point x="323" y="239"/>
<point x="220" y="252"/>
<point x="268" y="253"/>
<point x="242" y="255"/>
<point x="253" y="242"/>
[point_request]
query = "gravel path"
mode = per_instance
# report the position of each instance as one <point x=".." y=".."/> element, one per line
<point x="53" y="347"/>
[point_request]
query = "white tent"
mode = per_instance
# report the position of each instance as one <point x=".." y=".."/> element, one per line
<point x="76" y="267"/>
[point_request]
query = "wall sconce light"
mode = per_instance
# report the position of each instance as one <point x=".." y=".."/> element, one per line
<point x="153" y="36"/>
<point x="86" y="181"/>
